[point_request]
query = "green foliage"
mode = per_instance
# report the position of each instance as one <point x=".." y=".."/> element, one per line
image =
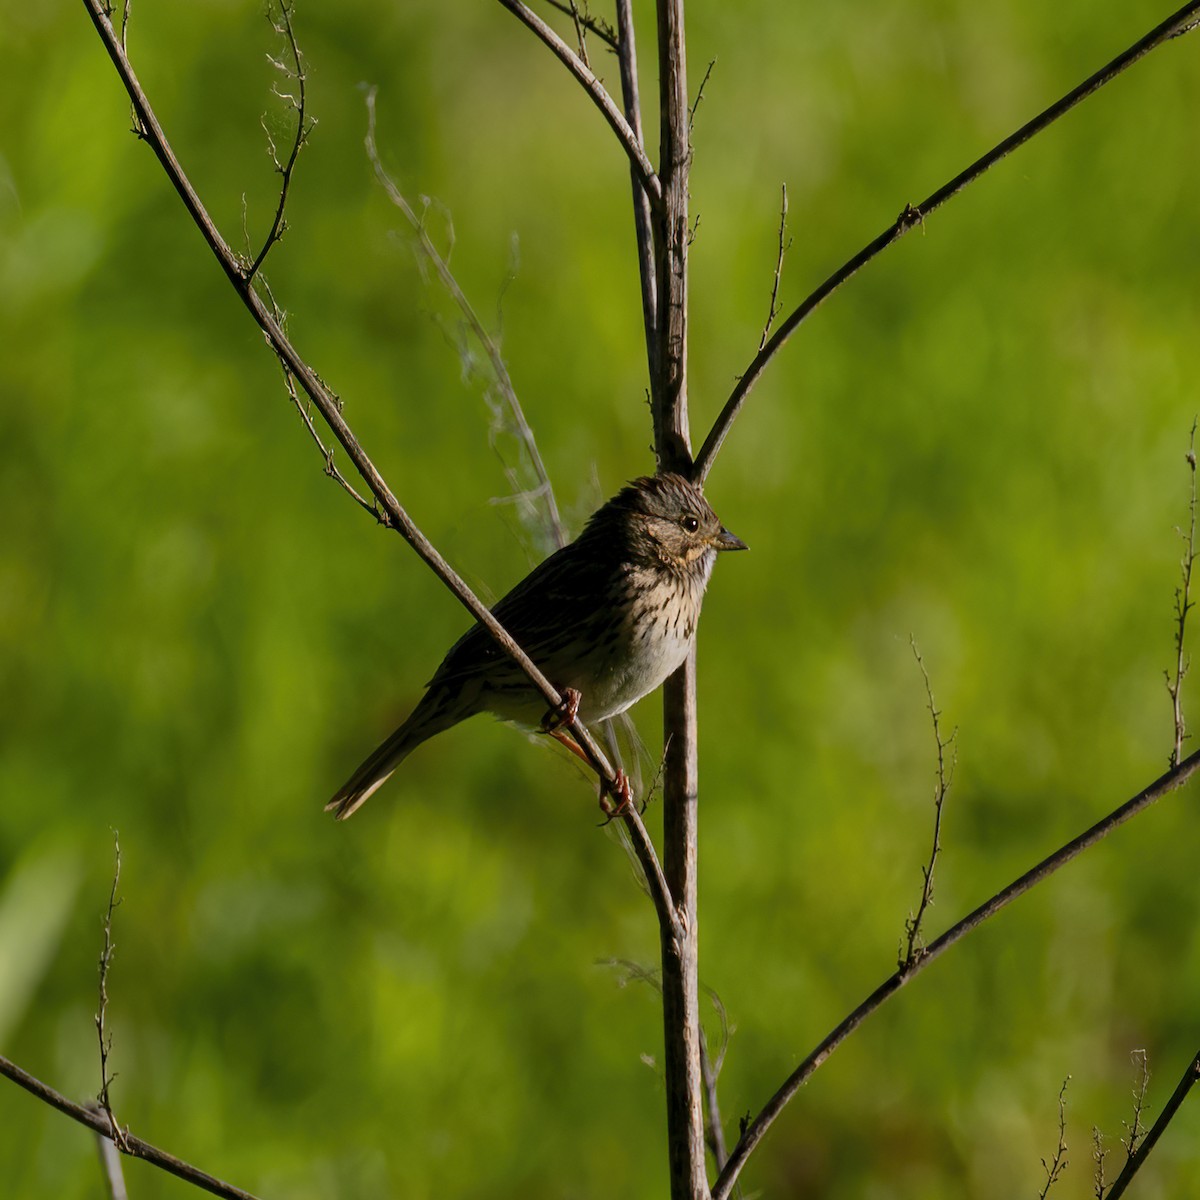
<point x="980" y="442"/>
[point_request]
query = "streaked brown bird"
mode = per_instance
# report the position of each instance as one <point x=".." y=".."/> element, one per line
<point x="608" y="617"/>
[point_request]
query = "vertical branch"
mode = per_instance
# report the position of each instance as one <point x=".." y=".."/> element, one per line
<point x="680" y="961"/>
<point x="671" y="435"/>
<point x="627" y="55"/>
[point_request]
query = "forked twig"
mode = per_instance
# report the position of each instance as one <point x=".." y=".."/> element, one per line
<point x="1177" y="24"/>
<point x="945" y="777"/>
<point x="1099" y="1154"/>
<point x="293" y="71"/>
<point x="1058" y="1164"/>
<point x="1183" y="606"/>
<point x="594" y="25"/>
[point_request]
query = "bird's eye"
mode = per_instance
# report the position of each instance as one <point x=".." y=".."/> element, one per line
<point x="691" y="524"/>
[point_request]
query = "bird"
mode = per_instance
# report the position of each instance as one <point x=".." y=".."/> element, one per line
<point x="606" y="618"/>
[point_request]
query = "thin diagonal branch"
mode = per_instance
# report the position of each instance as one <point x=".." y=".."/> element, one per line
<point x="392" y="513"/>
<point x="757" y="1128"/>
<point x="1181" y="22"/>
<point x="97" y="1121"/>
<point x="594" y="88"/>
<point x="1122" y="1181"/>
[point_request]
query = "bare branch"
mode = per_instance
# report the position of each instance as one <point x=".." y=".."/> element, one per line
<point x="712" y="62"/>
<point x="98" y="1122"/>
<point x="294" y="72"/>
<point x="594" y="88"/>
<point x="103" y="1036"/>
<point x="1058" y="1164"/>
<point x="594" y="25"/>
<point x="1137" y="1130"/>
<point x="1099" y="1154"/>
<point x="945" y="777"/>
<point x="756" y="1129"/>
<point x="580" y="34"/>
<point x="1122" y="1181"/>
<point x="784" y="245"/>
<point x="627" y="54"/>
<point x="432" y="256"/>
<point x="1183" y="605"/>
<point x="331" y="468"/>
<point x="393" y="514"/>
<point x="912" y="215"/>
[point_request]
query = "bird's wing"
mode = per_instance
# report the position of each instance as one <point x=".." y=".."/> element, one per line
<point x="560" y="594"/>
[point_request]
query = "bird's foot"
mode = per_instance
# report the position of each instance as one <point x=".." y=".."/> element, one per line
<point x="621" y="792"/>
<point x="564" y="714"/>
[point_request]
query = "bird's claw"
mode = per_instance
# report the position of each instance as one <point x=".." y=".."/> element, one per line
<point x="565" y="713"/>
<point x="621" y="792"/>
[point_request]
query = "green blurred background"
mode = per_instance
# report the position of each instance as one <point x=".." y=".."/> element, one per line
<point x="980" y="443"/>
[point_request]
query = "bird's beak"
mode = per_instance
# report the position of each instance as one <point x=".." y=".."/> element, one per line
<point x="728" y="541"/>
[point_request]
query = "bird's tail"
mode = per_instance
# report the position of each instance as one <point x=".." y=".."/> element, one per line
<point x="425" y="721"/>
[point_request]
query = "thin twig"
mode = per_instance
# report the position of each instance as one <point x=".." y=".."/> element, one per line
<point x="103" y="1034"/>
<point x="518" y="421"/>
<point x="97" y="1121"/>
<point x="393" y="514"/>
<point x="331" y="467"/>
<point x="594" y="25"/>
<point x="945" y="777"/>
<point x="1183" y="605"/>
<point x="915" y="214"/>
<point x="784" y="245"/>
<point x="1190" y="1077"/>
<point x="712" y="62"/>
<point x="1137" y="1131"/>
<point x="304" y="126"/>
<point x="755" y="1129"/>
<point x="1099" y="1154"/>
<point x="1058" y="1164"/>
<point x="594" y="88"/>
<point x="580" y="34"/>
